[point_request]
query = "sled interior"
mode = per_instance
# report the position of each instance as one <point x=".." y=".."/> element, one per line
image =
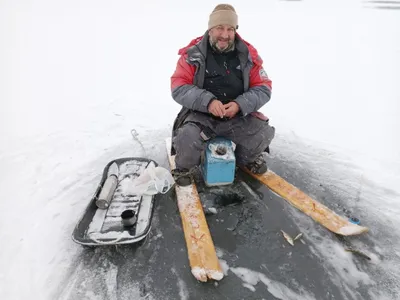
<point x="104" y="226"/>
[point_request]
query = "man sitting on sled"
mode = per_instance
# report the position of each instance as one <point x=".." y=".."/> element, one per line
<point x="221" y="84"/>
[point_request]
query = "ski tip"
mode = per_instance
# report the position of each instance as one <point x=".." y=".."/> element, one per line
<point x="203" y="274"/>
<point x="215" y="274"/>
<point x="352" y="229"/>
<point x="199" y="273"/>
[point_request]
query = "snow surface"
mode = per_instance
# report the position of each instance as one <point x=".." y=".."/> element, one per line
<point x="77" y="76"/>
<point x="278" y="290"/>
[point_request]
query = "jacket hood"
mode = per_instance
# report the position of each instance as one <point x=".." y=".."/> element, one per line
<point x="252" y="50"/>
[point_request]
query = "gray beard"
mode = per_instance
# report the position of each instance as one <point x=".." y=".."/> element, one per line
<point x="214" y="46"/>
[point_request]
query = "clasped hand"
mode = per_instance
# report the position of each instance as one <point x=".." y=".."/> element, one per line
<point x="228" y="110"/>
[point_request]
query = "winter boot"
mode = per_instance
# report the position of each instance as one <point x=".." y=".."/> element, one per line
<point x="182" y="177"/>
<point x="258" y="166"/>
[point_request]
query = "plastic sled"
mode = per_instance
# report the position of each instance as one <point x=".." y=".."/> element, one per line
<point x="104" y="226"/>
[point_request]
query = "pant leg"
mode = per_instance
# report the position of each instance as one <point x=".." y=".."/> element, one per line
<point x="189" y="146"/>
<point x="251" y="136"/>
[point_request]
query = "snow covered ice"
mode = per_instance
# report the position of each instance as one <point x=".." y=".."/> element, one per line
<point x="76" y="77"/>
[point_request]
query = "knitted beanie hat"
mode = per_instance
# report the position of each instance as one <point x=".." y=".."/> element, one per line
<point x="223" y="14"/>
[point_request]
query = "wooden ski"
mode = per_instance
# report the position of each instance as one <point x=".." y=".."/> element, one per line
<point x="203" y="258"/>
<point x="319" y="212"/>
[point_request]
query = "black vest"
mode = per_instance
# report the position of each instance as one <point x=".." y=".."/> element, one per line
<point x="223" y="76"/>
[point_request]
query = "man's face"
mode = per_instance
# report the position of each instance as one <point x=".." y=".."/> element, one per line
<point x="222" y="36"/>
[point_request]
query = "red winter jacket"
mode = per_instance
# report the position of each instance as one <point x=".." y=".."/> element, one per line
<point x="188" y="78"/>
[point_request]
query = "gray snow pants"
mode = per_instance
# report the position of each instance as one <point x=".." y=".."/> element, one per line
<point x="250" y="134"/>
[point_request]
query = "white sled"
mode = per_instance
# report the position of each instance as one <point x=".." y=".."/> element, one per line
<point x="105" y="226"/>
